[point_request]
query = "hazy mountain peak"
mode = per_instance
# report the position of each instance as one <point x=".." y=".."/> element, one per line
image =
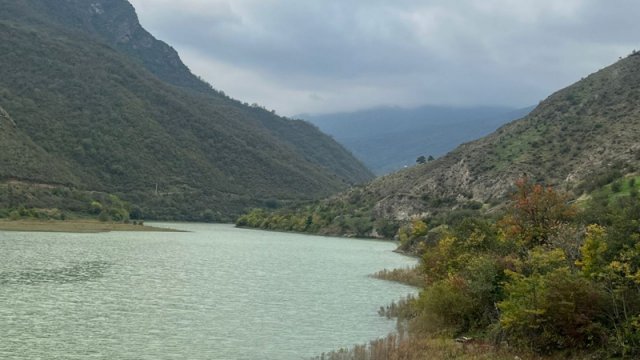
<point x="391" y="138"/>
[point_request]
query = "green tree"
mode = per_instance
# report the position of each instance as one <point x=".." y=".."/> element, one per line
<point x="104" y="216"/>
<point x="593" y="251"/>
<point x="136" y="213"/>
<point x="548" y="306"/>
<point x="95" y="207"/>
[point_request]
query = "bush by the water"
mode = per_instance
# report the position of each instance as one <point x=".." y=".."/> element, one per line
<point x="548" y="277"/>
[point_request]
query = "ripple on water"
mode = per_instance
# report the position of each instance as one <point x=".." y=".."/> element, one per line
<point x="80" y="271"/>
<point x="214" y="293"/>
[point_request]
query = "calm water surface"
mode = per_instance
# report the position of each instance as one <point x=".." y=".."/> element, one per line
<point x="213" y="293"/>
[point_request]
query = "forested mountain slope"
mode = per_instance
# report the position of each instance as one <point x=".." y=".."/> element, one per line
<point x="21" y="158"/>
<point x="112" y="109"/>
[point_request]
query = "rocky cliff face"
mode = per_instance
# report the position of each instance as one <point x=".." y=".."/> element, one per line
<point x="116" y="23"/>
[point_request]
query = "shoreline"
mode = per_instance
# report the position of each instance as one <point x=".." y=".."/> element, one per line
<point x="343" y="236"/>
<point x="75" y="226"/>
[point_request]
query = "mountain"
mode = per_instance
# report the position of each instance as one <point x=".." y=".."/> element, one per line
<point x="98" y="104"/>
<point x="578" y="139"/>
<point x="20" y="157"/>
<point x="391" y="138"/>
<point x="574" y="139"/>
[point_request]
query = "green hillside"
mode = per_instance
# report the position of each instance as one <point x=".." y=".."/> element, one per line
<point x="579" y="139"/>
<point x="21" y="158"/>
<point x="106" y="118"/>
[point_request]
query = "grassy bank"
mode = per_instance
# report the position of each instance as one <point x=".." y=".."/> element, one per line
<point x="73" y="226"/>
<point x="409" y="276"/>
<point x="393" y="347"/>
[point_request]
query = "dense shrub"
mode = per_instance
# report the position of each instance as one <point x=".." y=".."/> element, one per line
<point x="545" y="276"/>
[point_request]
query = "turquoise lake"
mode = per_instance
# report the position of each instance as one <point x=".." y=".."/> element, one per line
<point x="215" y="292"/>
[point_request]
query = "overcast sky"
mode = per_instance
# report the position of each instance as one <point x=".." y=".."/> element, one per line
<point x="321" y="56"/>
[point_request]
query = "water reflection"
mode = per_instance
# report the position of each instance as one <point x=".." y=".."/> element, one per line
<point x="77" y="272"/>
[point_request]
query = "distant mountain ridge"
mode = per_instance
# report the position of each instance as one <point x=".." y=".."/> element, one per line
<point x="390" y="138"/>
<point x="578" y="140"/>
<point x="107" y="107"/>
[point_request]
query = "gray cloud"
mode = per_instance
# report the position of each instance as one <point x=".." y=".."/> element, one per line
<point x="332" y="55"/>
